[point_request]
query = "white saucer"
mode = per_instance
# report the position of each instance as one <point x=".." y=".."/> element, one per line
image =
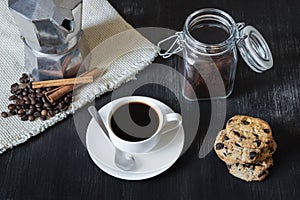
<point x="148" y="165"/>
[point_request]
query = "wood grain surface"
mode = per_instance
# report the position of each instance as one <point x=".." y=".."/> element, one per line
<point x="56" y="165"/>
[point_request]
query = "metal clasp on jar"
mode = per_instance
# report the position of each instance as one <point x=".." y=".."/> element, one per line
<point x="176" y="46"/>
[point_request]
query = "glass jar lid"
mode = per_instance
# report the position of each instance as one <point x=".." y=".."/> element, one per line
<point x="254" y="49"/>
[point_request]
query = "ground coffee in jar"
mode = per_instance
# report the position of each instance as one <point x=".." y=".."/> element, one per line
<point x="209" y="40"/>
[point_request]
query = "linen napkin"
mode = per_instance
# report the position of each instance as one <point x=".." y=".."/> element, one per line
<point x="100" y="23"/>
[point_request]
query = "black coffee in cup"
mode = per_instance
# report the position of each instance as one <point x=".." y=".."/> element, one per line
<point x="134" y="121"/>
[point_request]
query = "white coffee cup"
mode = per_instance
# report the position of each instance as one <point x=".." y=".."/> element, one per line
<point x="166" y="123"/>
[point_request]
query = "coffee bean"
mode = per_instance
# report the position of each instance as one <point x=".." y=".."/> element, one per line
<point x="33" y="102"/>
<point x="31" y="118"/>
<point x="37" y="114"/>
<point x="44" y="112"/>
<point x="21" y="112"/>
<point x="25" y="98"/>
<point x="43" y="117"/>
<point x="31" y="96"/>
<point x="39" y="95"/>
<point x="30" y="111"/>
<point x="21" y="102"/>
<point x="4" y="114"/>
<point x="31" y="91"/>
<point x="44" y="99"/>
<point x="11" y="106"/>
<point x="24" y="118"/>
<point x="38" y="105"/>
<point x="17" y="92"/>
<point x="27" y="102"/>
<point x="24" y="75"/>
<point x="25" y="106"/>
<point x="39" y="90"/>
<point x="14" y="86"/>
<point x="50" y="113"/>
<point x="24" y="93"/>
<point x="60" y="105"/>
<point x="67" y="99"/>
<point x="12" y="97"/>
<point x="65" y="108"/>
<point x="47" y="105"/>
<point x="22" y="80"/>
<point x="12" y="112"/>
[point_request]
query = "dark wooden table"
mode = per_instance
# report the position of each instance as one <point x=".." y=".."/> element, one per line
<point x="56" y="165"/>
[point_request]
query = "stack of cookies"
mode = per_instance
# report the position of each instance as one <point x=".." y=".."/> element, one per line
<point x="246" y="146"/>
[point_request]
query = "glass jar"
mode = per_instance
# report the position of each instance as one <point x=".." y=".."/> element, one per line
<point x="209" y="40"/>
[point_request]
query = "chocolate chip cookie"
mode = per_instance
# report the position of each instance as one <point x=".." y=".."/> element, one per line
<point x="231" y="152"/>
<point x="250" y="132"/>
<point x="251" y="172"/>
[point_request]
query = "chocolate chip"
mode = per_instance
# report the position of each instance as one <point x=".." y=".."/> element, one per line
<point x="238" y="145"/>
<point x="252" y="155"/>
<point x="242" y="138"/>
<point x="237" y="133"/>
<point x="4" y="114"/>
<point x="245" y="122"/>
<point x="257" y="142"/>
<point x="268" y="142"/>
<point x="262" y="174"/>
<point x="226" y="138"/>
<point x="219" y="146"/>
<point x="256" y="136"/>
<point x="271" y="149"/>
<point x="237" y="164"/>
<point x="266" y="130"/>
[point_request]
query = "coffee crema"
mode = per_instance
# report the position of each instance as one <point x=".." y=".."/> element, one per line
<point x="134" y="121"/>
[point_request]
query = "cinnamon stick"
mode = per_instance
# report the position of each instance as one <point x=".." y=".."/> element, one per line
<point x="59" y="92"/>
<point x="62" y="82"/>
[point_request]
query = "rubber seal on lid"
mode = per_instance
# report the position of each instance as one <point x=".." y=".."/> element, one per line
<point x="255" y="50"/>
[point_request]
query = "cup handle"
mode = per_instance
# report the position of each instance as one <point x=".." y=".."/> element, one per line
<point x="172" y="117"/>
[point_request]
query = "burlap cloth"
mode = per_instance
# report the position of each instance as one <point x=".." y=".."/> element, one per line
<point x="100" y="23"/>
